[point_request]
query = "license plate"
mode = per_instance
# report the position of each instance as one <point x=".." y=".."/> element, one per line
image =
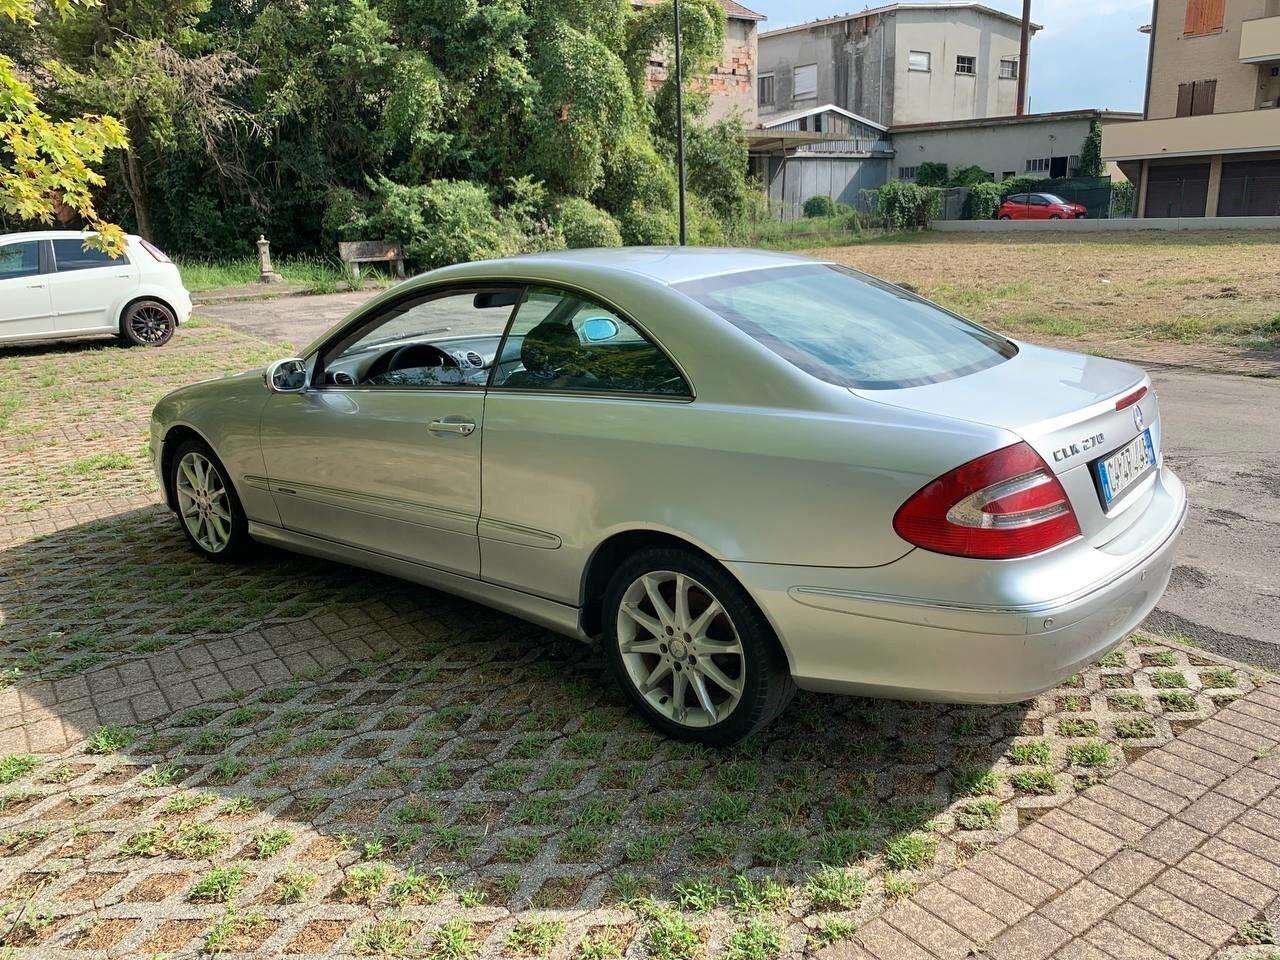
<point x="1121" y="470"/>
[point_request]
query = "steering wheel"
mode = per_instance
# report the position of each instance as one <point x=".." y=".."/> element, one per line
<point x="420" y="355"/>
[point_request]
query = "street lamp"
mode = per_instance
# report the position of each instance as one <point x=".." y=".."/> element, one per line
<point x="680" y="124"/>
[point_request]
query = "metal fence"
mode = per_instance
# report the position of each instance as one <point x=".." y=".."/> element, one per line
<point x="1093" y="192"/>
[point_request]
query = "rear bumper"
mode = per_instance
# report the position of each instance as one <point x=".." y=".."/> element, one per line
<point x="182" y="305"/>
<point x="930" y="627"/>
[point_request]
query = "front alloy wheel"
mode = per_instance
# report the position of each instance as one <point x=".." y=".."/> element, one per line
<point x="690" y="649"/>
<point x="207" y="505"/>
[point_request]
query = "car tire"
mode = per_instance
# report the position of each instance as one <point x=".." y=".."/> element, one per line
<point x="1005" y="216"/>
<point x="147" y="323"/>
<point x="1054" y="216"/>
<point x="209" y="511"/>
<point x="654" y="653"/>
<point x="1081" y="216"/>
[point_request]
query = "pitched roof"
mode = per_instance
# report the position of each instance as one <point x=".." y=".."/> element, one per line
<point x="893" y="7"/>
<point x="774" y="121"/>
<point x="737" y="11"/>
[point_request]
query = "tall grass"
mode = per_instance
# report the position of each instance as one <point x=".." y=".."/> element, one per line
<point x="313" y="274"/>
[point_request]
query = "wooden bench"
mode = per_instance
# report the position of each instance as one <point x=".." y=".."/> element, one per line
<point x="371" y="251"/>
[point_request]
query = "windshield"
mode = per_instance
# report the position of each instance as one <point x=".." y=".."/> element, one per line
<point x="849" y="329"/>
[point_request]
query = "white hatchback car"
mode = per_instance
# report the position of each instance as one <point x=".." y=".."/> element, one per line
<point x="52" y="286"/>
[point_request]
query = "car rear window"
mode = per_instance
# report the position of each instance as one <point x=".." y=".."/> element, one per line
<point x="849" y="329"/>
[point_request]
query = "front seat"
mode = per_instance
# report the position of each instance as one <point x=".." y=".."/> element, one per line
<point x="547" y="351"/>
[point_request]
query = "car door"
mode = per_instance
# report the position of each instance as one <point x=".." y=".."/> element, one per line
<point x="24" y="291"/>
<point x="580" y="391"/>
<point x="1038" y="207"/>
<point x="87" y="287"/>
<point x="382" y="450"/>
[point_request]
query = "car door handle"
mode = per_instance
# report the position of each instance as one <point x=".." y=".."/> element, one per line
<point x="35" y="286"/>
<point x="462" y="427"/>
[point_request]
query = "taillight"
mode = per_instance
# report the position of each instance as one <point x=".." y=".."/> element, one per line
<point x="156" y="253"/>
<point x="1131" y="399"/>
<point x="1003" y="505"/>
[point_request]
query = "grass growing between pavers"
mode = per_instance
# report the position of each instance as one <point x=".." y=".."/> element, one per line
<point x="480" y="790"/>
<point x="1211" y="287"/>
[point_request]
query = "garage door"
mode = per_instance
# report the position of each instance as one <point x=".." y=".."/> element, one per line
<point x="1178" y="190"/>
<point x="1250" y="188"/>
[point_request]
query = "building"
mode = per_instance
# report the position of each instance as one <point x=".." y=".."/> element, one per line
<point x="732" y="81"/>
<point x="1209" y="143"/>
<point x="828" y="150"/>
<point x="905" y="63"/>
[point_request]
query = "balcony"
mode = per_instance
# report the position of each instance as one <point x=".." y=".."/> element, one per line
<point x="1246" y="132"/>
<point x="1260" y="40"/>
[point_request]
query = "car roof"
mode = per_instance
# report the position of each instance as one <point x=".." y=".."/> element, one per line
<point x="666" y="265"/>
<point x="51" y="235"/>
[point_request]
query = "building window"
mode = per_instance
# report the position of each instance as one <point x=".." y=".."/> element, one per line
<point x="765" y="87"/>
<point x="967" y="66"/>
<point x="1073" y="165"/>
<point x="1008" y="69"/>
<point x="804" y="82"/>
<point x="1040" y="165"/>
<point x="908" y="173"/>
<point x="1204" y="16"/>
<point x="1196" y="99"/>
<point x="918" y="60"/>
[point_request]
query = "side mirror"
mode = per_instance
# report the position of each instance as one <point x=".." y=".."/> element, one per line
<point x="286" y="376"/>
<point x="599" y="329"/>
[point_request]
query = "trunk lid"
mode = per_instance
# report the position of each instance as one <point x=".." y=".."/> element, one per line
<point x="1064" y="406"/>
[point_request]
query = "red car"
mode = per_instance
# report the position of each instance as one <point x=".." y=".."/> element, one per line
<point x="1040" y="206"/>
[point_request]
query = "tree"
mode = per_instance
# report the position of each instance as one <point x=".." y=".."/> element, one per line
<point x="47" y="164"/>
<point x="1091" y="164"/>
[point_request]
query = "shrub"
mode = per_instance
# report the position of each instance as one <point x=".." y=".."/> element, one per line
<point x="1020" y="184"/>
<point x="646" y="226"/>
<point x="439" y="223"/>
<point x="931" y="174"/>
<point x="905" y="205"/>
<point x="819" y="206"/>
<point x="983" y="202"/>
<point x="1123" y="198"/>
<point x="970" y="176"/>
<point x="584" y="225"/>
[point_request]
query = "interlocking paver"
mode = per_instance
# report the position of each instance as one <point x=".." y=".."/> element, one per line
<point x="1180" y="913"/>
<point x="1248" y="787"/>
<point x="1206" y="895"/>
<point x="939" y="938"/>
<point x="1127" y="872"/>
<point x="1171" y="841"/>
<point x="974" y="888"/>
<point x="1051" y="870"/>
<point x="1215" y="865"/>
<point x="1212" y="812"/>
<point x="1159" y="933"/>
<point x="1032" y="938"/>
<point x="1123" y="945"/>
<point x="972" y="921"/>
<point x="887" y="943"/>
<point x="1133" y="807"/>
<point x="1080" y="907"/>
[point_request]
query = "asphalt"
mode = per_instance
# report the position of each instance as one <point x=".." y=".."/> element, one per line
<point x="1222" y="436"/>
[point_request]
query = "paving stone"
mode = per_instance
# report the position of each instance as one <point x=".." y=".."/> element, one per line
<point x="1240" y="859"/>
<point x="1123" y="945"/>
<point x="1185" y="750"/>
<point x="1079" y="950"/>
<point x="1221" y="874"/>
<point x="1239" y="735"/>
<point x="1132" y="807"/>
<point x="1126" y="872"/>
<point x="1189" y="917"/>
<point x="1211" y="812"/>
<point x="976" y="889"/>
<point x="1150" y="792"/>
<point x="1205" y="776"/>
<point x="938" y="938"/>
<point x="1203" y="893"/>
<point x="1238" y="717"/>
<point x="976" y="924"/>
<point x="887" y="943"/>
<point x="1161" y="934"/>
<point x="1080" y="907"/>
<point x="1224" y="747"/>
<point x="1079" y="857"/>
<point x="1032" y="938"/>
<point x="1181" y="787"/>
<point x="1248" y="787"/>
<point x="1171" y="841"/>
<point x="1125" y="829"/>
<point x="1049" y="869"/>
<point x="1065" y="822"/>
<point x="1012" y="878"/>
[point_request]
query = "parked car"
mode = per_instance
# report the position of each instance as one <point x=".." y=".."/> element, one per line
<point x="1041" y="206"/>
<point x="52" y="285"/>
<point x="741" y="472"/>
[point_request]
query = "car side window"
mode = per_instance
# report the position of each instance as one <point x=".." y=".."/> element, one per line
<point x="1038" y="201"/>
<point x="446" y="338"/>
<point x="71" y="254"/>
<point x="564" y="341"/>
<point x="20" y="259"/>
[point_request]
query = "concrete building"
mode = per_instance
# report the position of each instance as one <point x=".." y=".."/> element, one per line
<point x="732" y="81"/>
<point x="904" y="63"/>
<point x="1209" y="143"/>
<point x="829" y="150"/>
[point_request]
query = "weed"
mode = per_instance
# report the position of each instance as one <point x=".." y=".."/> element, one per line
<point x="898" y="886"/>
<point x="975" y="782"/>
<point x="267" y="843"/>
<point x="388" y="937"/>
<point x="1035" y="753"/>
<point x="758" y="938"/>
<point x="669" y="936"/>
<point x="981" y="814"/>
<point x="292" y="886"/>
<point x="1041" y="781"/>
<point x="1165" y="679"/>
<point x="198" y="841"/>
<point x="780" y="846"/>
<point x="162" y="776"/>
<point x="910" y="851"/>
<point x="364" y="882"/>
<point x="1095" y="753"/>
<point x="833" y="888"/>
<point x="219" y="885"/>
<point x="1177" y="701"/>
<point x="454" y="940"/>
<point x="602" y="943"/>
<point x="16" y="765"/>
<point x="1135" y="728"/>
<point x="699" y="894"/>
<point x="829" y="930"/>
<point x="1218" y="678"/>
<point x="749" y="895"/>
<point x="533" y="938"/>
<point x="109" y="739"/>
<point x="1077" y="727"/>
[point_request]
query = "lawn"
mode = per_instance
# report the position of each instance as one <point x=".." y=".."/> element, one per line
<point x="292" y="756"/>
<point x="312" y="274"/>
<point x="1211" y="288"/>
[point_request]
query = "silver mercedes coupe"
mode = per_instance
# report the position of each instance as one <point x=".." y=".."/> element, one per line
<point x="740" y="472"/>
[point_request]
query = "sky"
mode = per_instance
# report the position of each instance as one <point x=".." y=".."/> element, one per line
<point x="1089" y="53"/>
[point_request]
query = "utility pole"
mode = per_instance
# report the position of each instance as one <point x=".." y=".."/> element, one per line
<point x="1024" y="44"/>
<point x="680" y="122"/>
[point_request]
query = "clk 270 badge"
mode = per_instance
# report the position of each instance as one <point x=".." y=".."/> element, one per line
<point x="1088" y="443"/>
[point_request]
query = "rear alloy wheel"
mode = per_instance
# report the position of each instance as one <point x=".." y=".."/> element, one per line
<point x="208" y="508"/>
<point x="1005" y="216"/>
<point x="691" y="650"/>
<point x="147" y="323"/>
<point x="1054" y="216"/>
